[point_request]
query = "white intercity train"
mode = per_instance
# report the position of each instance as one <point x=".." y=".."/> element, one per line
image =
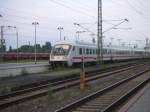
<point x="70" y="53"/>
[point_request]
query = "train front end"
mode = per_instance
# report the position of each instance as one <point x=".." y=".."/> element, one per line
<point x="60" y="54"/>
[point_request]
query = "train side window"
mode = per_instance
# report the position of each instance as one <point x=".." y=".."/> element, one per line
<point x="90" y="51"/>
<point x="80" y="51"/>
<point x="73" y="48"/>
<point x="87" y="51"/>
<point x="83" y="50"/>
<point x="93" y="51"/>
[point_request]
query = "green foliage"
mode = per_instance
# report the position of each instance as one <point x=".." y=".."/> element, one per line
<point x="10" y="49"/>
<point x="3" y="48"/>
<point x="5" y="90"/>
<point x="24" y="72"/>
<point x="29" y="48"/>
<point x="47" y="47"/>
<point x="103" y="66"/>
<point x="50" y="92"/>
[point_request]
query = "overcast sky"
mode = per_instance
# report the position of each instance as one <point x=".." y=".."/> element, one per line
<point x="54" y="13"/>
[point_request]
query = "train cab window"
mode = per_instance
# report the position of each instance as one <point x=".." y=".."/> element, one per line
<point x="80" y="51"/>
<point x="61" y="49"/>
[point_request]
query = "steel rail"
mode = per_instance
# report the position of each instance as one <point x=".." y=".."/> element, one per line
<point x="82" y="101"/>
<point x="126" y="96"/>
<point x="42" y="92"/>
<point x="40" y="86"/>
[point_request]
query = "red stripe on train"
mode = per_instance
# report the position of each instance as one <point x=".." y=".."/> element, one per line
<point x="84" y="58"/>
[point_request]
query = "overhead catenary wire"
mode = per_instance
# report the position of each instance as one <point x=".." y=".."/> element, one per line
<point x="133" y="8"/>
<point x="75" y="10"/>
<point x="79" y="5"/>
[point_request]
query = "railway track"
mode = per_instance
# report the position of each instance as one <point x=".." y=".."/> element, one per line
<point x="110" y="97"/>
<point x="23" y="95"/>
<point x="46" y="83"/>
<point x="72" y="77"/>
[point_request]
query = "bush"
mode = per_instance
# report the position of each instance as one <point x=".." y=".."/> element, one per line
<point x="5" y="90"/>
<point x="50" y="92"/>
<point x="24" y="72"/>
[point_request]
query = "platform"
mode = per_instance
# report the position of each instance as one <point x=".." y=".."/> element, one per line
<point x="140" y="102"/>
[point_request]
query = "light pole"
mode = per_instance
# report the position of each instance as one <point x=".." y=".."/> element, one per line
<point x="60" y="30"/>
<point x="2" y="40"/>
<point x="17" y="38"/>
<point x="1" y="43"/>
<point x="111" y="52"/>
<point x="17" y="43"/>
<point x="78" y="34"/>
<point x="35" y="25"/>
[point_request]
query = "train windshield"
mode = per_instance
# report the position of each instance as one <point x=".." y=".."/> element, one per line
<point x="62" y="49"/>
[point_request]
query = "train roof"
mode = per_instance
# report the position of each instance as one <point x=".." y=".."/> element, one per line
<point x="76" y="43"/>
<point x="126" y="48"/>
<point x="92" y="45"/>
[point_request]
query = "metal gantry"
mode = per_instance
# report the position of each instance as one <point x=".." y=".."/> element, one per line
<point x="99" y="34"/>
<point x="2" y="42"/>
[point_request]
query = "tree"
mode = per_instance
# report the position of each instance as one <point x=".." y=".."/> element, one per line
<point x="10" y="49"/>
<point x="29" y="48"/>
<point x="3" y="48"/>
<point x="26" y="48"/>
<point x="47" y="47"/>
<point x="38" y="48"/>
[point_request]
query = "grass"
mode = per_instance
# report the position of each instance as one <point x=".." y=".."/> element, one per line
<point x="68" y="93"/>
<point x="24" y="72"/>
<point x="4" y="89"/>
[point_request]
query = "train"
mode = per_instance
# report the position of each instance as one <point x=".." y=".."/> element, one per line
<point x="71" y="53"/>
